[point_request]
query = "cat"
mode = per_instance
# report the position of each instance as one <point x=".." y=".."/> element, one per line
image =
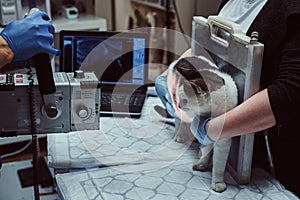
<point x="205" y="90"/>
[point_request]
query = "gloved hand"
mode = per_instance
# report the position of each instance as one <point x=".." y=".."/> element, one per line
<point x="198" y="130"/>
<point x="30" y="36"/>
<point x="164" y="95"/>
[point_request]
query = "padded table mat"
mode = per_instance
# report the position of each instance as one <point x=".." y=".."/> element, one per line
<point x="120" y="141"/>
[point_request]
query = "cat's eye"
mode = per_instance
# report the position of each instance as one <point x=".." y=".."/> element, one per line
<point x="183" y="102"/>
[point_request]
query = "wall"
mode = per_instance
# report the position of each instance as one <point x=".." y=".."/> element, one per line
<point x="122" y="8"/>
<point x="186" y="10"/>
<point x="189" y="8"/>
<point x="103" y="9"/>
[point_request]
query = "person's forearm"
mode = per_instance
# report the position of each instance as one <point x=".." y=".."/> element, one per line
<point x="255" y="114"/>
<point x="6" y="54"/>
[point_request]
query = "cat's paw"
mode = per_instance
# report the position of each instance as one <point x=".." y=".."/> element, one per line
<point x="219" y="186"/>
<point x="200" y="166"/>
<point x="182" y="138"/>
<point x="183" y="132"/>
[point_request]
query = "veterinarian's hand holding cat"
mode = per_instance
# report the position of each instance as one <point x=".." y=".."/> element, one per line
<point x="172" y="87"/>
<point x="197" y="122"/>
<point x="198" y="130"/>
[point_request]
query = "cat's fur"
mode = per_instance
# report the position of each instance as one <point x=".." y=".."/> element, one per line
<point x="206" y="91"/>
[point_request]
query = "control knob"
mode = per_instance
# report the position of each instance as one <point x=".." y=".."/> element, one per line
<point x="79" y="74"/>
<point x="82" y="111"/>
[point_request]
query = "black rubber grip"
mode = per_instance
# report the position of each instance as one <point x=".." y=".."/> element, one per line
<point x="44" y="73"/>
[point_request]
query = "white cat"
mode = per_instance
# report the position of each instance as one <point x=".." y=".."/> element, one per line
<point x="205" y="91"/>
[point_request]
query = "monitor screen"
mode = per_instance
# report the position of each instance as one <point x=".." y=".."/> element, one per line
<point x="115" y="57"/>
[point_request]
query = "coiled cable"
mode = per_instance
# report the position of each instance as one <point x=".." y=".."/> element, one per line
<point x="33" y="126"/>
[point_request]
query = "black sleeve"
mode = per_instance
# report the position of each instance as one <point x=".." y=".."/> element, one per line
<point x="222" y="4"/>
<point x="284" y="93"/>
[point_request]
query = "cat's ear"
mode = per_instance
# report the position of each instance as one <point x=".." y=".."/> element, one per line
<point x="212" y="80"/>
<point x="207" y="82"/>
<point x="189" y="67"/>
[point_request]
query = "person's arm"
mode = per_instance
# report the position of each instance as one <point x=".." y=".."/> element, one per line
<point x="255" y="114"/>
<point x="28" y="37"/>
<point x="6" y="54"/>
<point x="278" y="104"/>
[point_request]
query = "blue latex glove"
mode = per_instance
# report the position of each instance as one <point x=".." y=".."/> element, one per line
<point x="164" y="95"/>
<point x="198" y="130"/>
<point x="30" y="36"/>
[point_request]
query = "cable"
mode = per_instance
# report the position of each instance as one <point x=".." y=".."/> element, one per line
<point x="270" y="157"/>
<point x="113" y="15"/>
<point x="35" y="158"/>
<point x="32" y="4"/>
<point x="168" y="27"/>
<point x="18" y="151"/>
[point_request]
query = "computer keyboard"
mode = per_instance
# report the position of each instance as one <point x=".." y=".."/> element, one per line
<point x="122" y="99"/>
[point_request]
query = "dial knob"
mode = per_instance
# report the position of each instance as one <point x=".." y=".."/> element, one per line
<point x="79" y="74"/>
<point x="82" y="111"/>
<point x="52" y="111"/>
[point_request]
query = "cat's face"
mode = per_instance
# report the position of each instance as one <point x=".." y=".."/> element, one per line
<point x="193" y="103"/>
<point x="190" y="87"/>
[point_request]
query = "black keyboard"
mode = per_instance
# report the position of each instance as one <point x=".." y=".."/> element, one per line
<point x="122" y="99"/>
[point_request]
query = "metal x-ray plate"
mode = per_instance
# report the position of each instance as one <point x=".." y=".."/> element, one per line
<point x="241" y="56"/>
